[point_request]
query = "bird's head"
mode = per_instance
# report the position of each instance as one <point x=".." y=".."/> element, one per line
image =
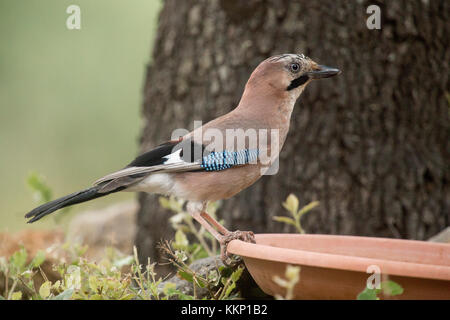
<point x="289" y="73"/>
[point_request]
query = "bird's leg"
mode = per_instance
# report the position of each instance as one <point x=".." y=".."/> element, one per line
<point x="226" y="236"/>
<point x="214" y="223"/>
<point x="222" y="234"/>
<point x="198" y="216"/>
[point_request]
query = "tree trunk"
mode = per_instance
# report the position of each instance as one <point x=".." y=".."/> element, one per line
<point x="372" y="145"/>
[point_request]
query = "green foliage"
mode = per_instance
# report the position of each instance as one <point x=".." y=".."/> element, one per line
<point x="17" y="271"/>
<point x="79" y="278"/>
<point x="291" y="205"/>
<point x="292" y="277"/>
<point x="118" y="276"/>
<point x="184" y="225"/>
<point x="41" y="191"/>
<point x="122" y="277"/>
<point x="220" y="282"/>
<point x="387" y="288"/>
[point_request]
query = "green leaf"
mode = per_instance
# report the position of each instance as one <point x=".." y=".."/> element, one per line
<point x="93" y="283"/>
<point x="38" y="259"/>
<point x="308" y="207"/>
<point x="186" y="276"/>
<point x="164" y="202"/>
<point x="124" y="262"/>
<point x="212" y="207"/>
<point x="56" y="285"/>
<point x="368" y="294"/>
<point x="18" y="259"/>
<point x="42" y="192"/>
<point x="44" y="290"/>
<point x="171" y="203"/>
<point x="213" y="275"/>
<point x="170" y="288"/>
<point x="200" y="282"/>
<point x="16" y="295"/>
<point x="229" y="290"/>
<point x="286" y="220"/>
<point x="280" y="281"/>
<point x="181" y="241"/>
<point x="181" y="255"/>
<point x="293" y="273"/>
<point x="237" y="274"/>
<point x="128" y="296"/>
<point x="73" y="277"/>
<point x="3" y="264"/>
<point x="291" y="204"/>
<point x="391" y="288"/>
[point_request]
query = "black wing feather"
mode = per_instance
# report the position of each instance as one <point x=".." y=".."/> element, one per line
<point x="157" y="155"/>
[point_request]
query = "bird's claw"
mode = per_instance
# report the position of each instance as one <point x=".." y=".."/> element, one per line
<point x="227" y="259"/>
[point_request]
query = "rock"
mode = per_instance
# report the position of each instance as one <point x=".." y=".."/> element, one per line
<point x="31" y="240"/>
<point x="443" y="236"/>
<point x="246" y="285"/>
<point x="111" y="226"/>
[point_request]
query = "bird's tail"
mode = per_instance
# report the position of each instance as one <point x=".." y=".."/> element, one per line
<point x="71" y="199"/>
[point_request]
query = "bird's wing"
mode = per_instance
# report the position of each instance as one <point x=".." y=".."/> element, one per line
<point x="175" y="156"/>
<point x="167" y="157"/>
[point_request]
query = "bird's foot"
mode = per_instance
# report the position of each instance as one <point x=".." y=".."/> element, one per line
<point x="226" y="257"/>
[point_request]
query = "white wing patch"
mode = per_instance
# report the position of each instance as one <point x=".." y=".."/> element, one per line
<point x="173" y="163"/>
<point x="173" y="157"/>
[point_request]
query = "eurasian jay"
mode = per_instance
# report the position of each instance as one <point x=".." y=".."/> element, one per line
<point x="207" y="164"/>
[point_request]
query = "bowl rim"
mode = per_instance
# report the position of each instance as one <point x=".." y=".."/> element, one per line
<point x="338" y="261"/>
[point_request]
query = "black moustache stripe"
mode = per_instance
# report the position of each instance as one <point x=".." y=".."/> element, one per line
<point x="297" y="82"/>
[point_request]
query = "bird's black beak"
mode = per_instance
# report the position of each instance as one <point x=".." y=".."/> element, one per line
<point x="323" y="72"/>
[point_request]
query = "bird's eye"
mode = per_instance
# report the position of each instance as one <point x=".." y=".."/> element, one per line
<point x="295" y="67"/>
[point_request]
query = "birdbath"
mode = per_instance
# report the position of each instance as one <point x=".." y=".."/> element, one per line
<point x="336" y="267"/>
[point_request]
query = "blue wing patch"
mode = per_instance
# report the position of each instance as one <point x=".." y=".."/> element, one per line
<point x="217" y="161"/>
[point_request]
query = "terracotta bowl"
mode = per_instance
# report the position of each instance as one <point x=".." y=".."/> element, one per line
<point x="334" y="267"/>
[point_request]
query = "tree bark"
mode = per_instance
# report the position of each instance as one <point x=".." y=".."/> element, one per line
<point x="372" y="145"/>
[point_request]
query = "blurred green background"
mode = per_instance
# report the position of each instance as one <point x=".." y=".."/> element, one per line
<point x="69" y="99"/>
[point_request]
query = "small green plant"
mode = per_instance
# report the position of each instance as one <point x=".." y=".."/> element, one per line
<point x="118" y="276"/>
<point x="81" y="279"/>
<point x="183" y="224"/>
<point x="17" y="272"/>
<point x="78" y="277"/>
<point x="219" y="282"/>
<point x="181" y="252"/>
<point x="43" y="193"/>
<point x="291" y="205"/>
<point x="292" y="277"/>
<point x="387" y="288"/>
